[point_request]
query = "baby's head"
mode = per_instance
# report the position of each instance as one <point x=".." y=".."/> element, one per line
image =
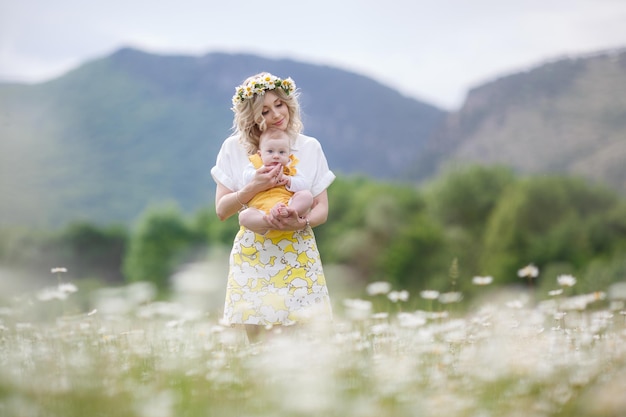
<point x="274" y="147"/>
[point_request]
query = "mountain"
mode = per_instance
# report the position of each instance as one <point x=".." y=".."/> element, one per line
<point x="132" y="129"/>
<point x="117" y="134"/>
<point x="566" y="116"/>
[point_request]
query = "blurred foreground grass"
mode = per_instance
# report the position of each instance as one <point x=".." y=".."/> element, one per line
<point x="514" y="355"/>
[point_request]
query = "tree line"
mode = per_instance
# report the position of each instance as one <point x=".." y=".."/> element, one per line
<point x="480" y="220"/>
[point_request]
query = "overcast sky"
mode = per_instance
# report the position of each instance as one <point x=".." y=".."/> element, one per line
<point x="431" y="50"/>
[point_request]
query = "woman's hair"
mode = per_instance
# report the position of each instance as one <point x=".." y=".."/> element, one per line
<point x="249" y="122"/>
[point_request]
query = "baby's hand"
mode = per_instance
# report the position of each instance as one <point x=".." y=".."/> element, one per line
<point x="283" y="179"/>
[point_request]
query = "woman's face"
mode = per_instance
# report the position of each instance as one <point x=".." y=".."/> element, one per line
<point x="275" y="112"/>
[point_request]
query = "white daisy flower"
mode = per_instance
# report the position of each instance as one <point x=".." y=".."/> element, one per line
<point x="429" y="294"/>
<point x="566" y="280"/>
<point x="529" y="271"/>
<point x="395" y="296"/>
<point x="478" y="280"/>
<point x="378" y="288"/>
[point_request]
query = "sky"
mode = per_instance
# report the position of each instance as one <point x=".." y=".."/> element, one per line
<point x="434" y="51"/>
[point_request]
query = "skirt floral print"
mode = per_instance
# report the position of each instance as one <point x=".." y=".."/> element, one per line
<point x="276" y="279"/>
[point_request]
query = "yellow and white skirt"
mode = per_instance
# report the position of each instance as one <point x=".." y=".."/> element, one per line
<point x="276" y="280"/>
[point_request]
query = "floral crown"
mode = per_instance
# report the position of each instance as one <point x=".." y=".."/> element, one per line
<point x="260" y="84"/>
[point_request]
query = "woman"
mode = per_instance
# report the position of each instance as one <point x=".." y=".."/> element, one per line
<point x="278" y="279"/>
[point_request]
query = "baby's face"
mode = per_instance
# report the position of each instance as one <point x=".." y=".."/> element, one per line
<point x="274" y="151"/>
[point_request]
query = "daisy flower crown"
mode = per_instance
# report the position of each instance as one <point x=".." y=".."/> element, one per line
<point x="260" y="84"/>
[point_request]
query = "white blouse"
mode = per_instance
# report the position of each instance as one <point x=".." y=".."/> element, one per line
<point x="232" y="161"/>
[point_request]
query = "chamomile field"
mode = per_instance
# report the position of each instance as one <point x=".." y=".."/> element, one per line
<point x="514" y="353"/>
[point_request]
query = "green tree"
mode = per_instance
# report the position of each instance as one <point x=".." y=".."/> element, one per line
<point x="30" y="250"/>
<point x="466" y="197"/>
<point x="342" y="213"/>
<point x="206" y="223"/>
<point x="159" y="244"/>
<point x="92" y="251"/>
<point x="462" y="201"/>
<point x="85" y="249"/>
<point x="365" y="218"/>
<point x="417" y="257"/>
<point x="543" y="220"/>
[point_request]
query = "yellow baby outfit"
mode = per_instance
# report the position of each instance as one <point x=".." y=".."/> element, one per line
<point x="267" y="199"/>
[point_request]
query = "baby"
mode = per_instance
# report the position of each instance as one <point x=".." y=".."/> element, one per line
<point x="274" y="149"/>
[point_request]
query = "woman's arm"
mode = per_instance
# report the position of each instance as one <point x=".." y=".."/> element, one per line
<point x="226" y="203"/>
<point x="229" y="202"/>
<point x="319" y="211"/>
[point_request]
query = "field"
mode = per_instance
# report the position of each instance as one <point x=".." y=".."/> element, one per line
<point x="514" y="353"/>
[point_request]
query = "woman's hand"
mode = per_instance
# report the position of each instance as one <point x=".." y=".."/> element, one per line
<point x="287" y="220"/>
<point x="291" y="220"/>
<point x="229" y="202"/>
<point x="268" y="176"/>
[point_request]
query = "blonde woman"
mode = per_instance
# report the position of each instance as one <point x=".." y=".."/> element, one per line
<point x="278" y="279"/>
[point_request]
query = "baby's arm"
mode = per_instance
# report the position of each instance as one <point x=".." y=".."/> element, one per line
<point x="301" y="200"/>
<point x="248" y="173"/>
<point x="297" y="183"/>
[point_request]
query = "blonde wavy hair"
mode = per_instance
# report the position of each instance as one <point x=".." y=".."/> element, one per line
<point x="249" y="123"/>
